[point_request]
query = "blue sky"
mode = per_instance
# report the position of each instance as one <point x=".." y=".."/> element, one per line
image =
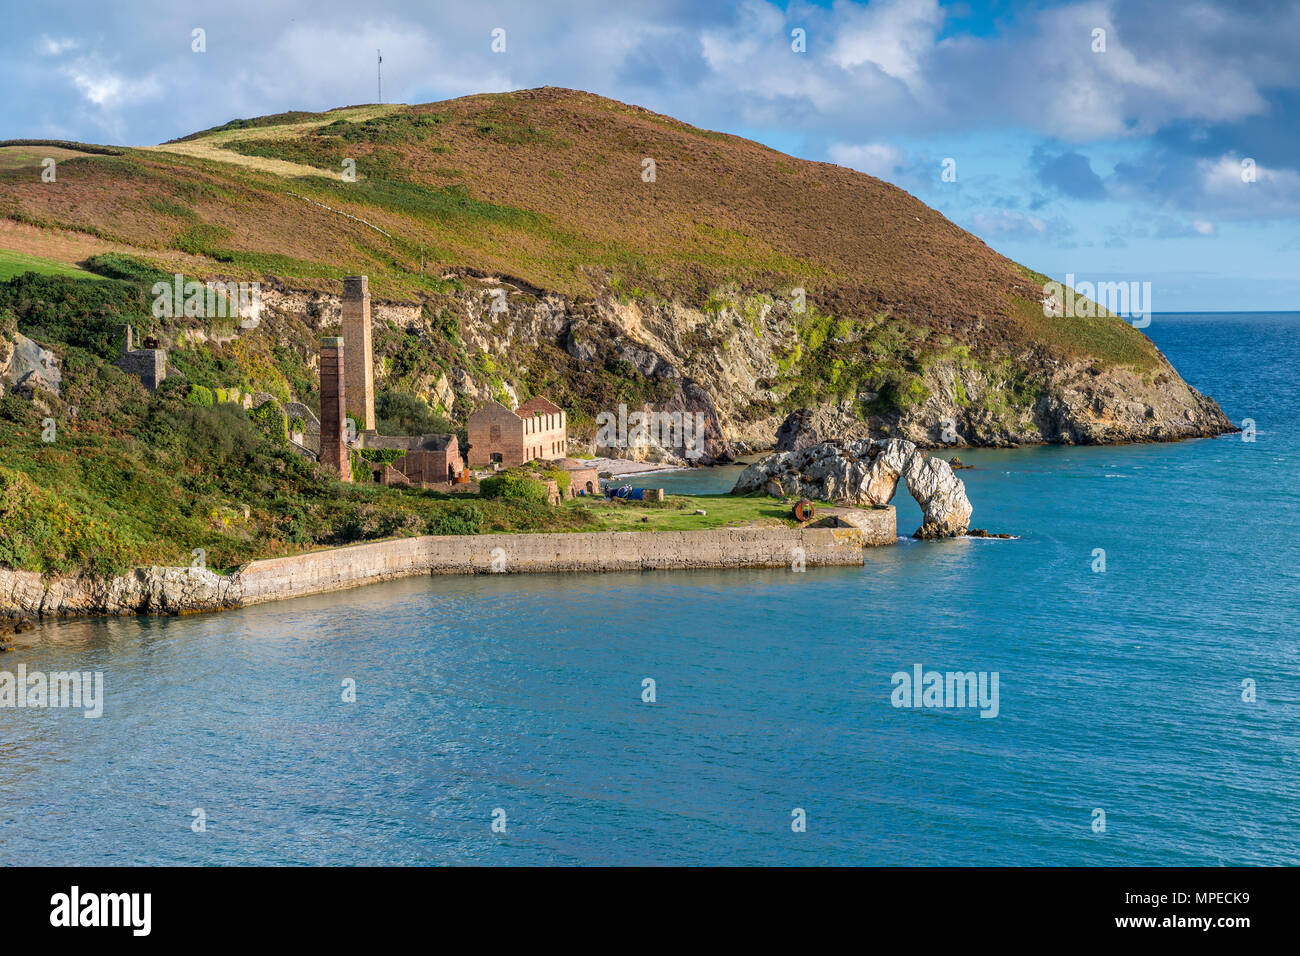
<point x="1164" y="149"/>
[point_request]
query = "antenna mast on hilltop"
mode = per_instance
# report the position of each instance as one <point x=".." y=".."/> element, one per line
<point x="379" y="74"/>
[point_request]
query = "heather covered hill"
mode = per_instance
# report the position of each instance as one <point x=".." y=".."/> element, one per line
<point x="681" y="291"/>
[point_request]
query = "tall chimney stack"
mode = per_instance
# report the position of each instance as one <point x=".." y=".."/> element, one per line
<point x="333" y="410"/>
<point x="360" y="363"/>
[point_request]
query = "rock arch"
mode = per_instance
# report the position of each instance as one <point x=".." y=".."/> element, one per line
<point x="866" y="473"/>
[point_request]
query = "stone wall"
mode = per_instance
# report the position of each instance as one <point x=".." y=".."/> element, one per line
<point x="161" y="590"/>
<point x="338" y="568"/>
<point x="148" y="365"/>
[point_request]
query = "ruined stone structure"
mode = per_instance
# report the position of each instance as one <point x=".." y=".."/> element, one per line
<point x="429" y="459"/>
<point x="360" y="361"/>
<point x="148" y="365"/>
<point x="333" y="435"/>
<point x="537" y="431"/>
<point x="583" y="479"/>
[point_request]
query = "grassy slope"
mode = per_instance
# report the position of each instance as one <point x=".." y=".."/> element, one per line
<point x="16" y="263"/>
<point x="544" y="185"/>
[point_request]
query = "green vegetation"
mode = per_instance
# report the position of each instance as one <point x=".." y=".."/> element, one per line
<point x="677" y="512"/>
<point x="16" y="263"/>
<point x="513" y="486"/>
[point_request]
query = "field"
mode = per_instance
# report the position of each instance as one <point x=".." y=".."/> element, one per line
<point x="16" y="263"/>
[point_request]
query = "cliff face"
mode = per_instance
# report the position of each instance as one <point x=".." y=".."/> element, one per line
<point x="742" y="365"/>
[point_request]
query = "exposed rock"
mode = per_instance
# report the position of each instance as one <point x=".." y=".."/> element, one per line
<point x="866" y="473"/>
<point x="807" y="427"/>
<point x="154" y="590"/>
<point x="32" y="366"/>
<point x="731" y="364"/>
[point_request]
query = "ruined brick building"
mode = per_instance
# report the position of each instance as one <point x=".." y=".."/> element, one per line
<point x="536" y="431"/>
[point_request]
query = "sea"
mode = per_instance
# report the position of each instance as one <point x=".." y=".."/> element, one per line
<point x="1135" y="645"/>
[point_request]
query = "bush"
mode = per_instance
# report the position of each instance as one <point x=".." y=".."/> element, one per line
<point x="117" y="266"/>
<point x="513" y="487"/>
<point x="272" y="419"/>
<point x="401" y="413"/>
<point x="561" y="478"/>
<point x="199" y="395"/>
<point x="455" y="519"/>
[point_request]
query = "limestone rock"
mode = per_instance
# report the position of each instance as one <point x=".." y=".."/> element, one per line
<point x="153" y="590"/>
<point x="866" y="473"/>
<point x="34" y="365"/>
<point x="807" y="427"/>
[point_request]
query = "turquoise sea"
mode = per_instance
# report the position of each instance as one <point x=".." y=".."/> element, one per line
<point x="519" y="698"/>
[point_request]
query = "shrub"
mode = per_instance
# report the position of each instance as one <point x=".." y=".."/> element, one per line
<point x="199" y="395"/>
<point x="561" y="478"/>
<point x="401" y="413"/>
<point x="272" y="419"/>
<point x="513" y="487"/>
<point x="459" y="518"/>
<point x="117" y="266"/>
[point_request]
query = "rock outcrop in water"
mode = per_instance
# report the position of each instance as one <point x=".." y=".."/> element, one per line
<point x="866" y="473"/>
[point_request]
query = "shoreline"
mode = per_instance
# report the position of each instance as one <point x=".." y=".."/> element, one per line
<point x="25" y="595"/>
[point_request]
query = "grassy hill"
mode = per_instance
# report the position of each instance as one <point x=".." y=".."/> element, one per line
<point x="542" y="185"/>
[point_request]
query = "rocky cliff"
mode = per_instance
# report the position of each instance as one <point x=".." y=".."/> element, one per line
<point x="520" y="244"/>
<point x="866" y="473"/>
<point x="736" y="364"/>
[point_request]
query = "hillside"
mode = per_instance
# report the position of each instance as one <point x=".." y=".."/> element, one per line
<point x="681" y="293"/>
<point x="677" y="292"/>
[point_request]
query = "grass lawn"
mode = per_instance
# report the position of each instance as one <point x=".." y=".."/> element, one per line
<point x="16" y="263"/>
<point x="677" y="513"/>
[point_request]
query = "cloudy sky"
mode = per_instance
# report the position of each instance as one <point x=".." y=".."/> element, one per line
<point x="1132" y="139"/>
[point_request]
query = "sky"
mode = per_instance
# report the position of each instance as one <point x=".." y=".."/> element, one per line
<point x="1130" y="140"/>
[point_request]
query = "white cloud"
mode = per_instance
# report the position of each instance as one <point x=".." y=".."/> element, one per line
<point x="894" y="36"/>
<point x="107" y="89"/>
<point x="1005" y="223"/>
<point x="875" y="159"/>
<point x="55" y="46"/>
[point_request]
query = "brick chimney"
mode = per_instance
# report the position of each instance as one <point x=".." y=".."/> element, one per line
<point x="360" y="362"/>
<point x="333" y="410"/>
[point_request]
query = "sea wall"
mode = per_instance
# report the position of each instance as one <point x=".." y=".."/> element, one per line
<point x="160" y="590"/>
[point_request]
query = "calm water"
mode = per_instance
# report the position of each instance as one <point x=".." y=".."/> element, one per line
<point x="1119" y="691"/>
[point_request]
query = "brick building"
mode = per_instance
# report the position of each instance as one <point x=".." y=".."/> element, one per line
<point x="536" y="431"/>
<point x="429" y="459"/>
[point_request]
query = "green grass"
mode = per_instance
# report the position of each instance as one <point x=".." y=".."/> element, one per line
<point x="677" y="512"/>
<point x="16" y="263"/>
<point x="1106" y="339"/>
